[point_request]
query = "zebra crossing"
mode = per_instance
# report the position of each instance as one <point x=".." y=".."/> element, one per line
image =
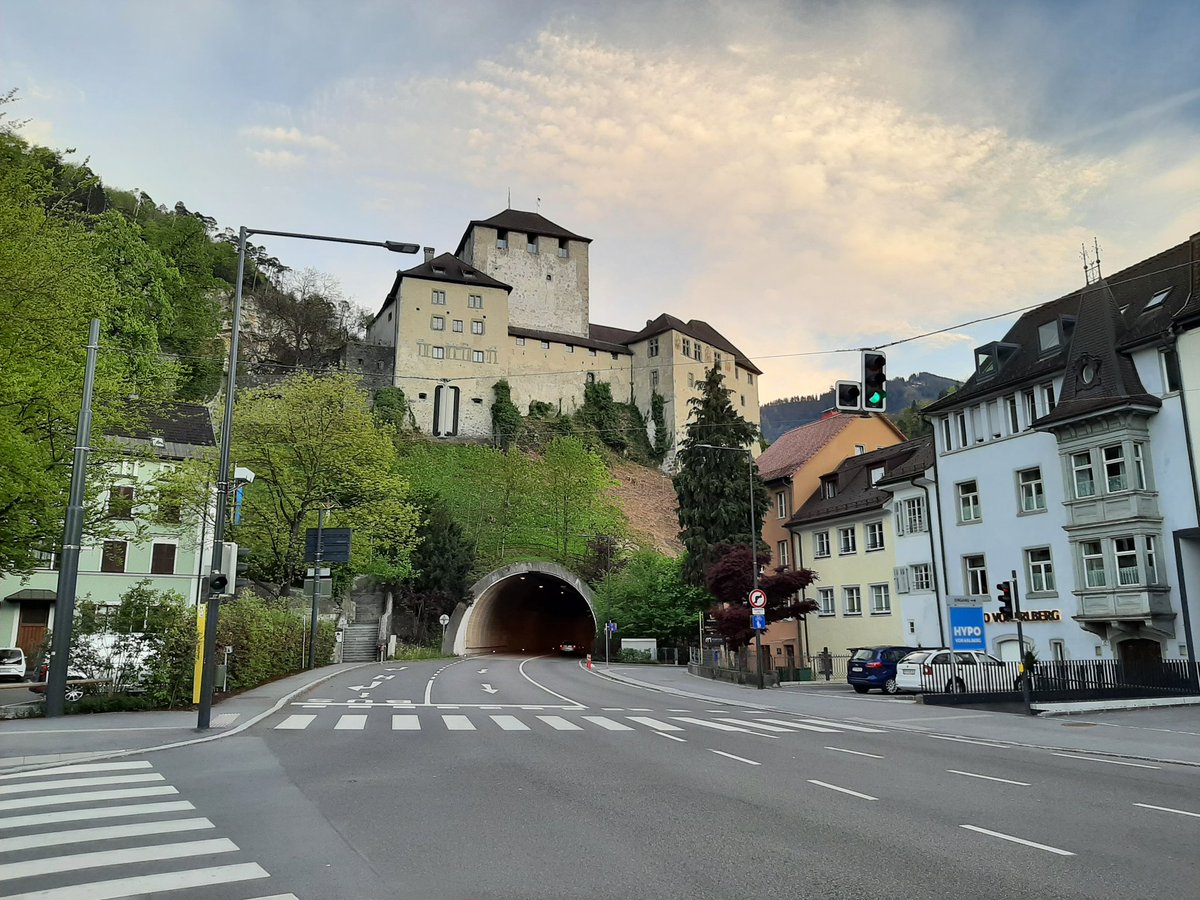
<point x="525" y="722"/>
<point x="120" y="827"/>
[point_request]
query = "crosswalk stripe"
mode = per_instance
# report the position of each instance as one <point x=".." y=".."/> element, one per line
<point x="104" y="858"/>
<point x="607" y="723"/>
<point x="654" y="723"/>
<point x="99" y="812"/>
<point x="406" y="723"/>
<point x="760" y="724"/>
<point x="138" y="885"/>
<point x="845" y="726"/>
<point x="350" y="723"/>
<point x="803" y="726"/>
<point x="279" y="897"/>
<point x="80" y="768"/>
<point x="719" y="726"/>
<point x="86" y="797"/>
<point x="295" y="722"/>
<point x="458" y="723"/>
<point x="558" y="723"/>
<point x="510" y="723"/>
<point x="32" y="787"/>
<point x="112" y="832"/>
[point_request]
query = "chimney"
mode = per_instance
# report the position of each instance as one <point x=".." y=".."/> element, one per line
<point x="429" y="254"/>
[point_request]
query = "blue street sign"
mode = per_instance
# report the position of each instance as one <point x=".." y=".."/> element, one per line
<point x="612" y="626"/>
<point x="758" y="621"/>
<point x="966" y="628"/>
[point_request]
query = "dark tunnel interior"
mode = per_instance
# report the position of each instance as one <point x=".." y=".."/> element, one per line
<point x="530" y="612"/>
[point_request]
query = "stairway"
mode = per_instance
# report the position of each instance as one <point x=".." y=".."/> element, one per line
<point x="359" y="642"/>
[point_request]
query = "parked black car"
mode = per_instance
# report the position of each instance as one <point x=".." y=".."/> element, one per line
<point x="875" y="667"/>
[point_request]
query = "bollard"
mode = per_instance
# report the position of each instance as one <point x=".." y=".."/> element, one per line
<point x="589" y="660"/>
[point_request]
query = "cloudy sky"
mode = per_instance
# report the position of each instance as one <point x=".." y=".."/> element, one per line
<point x="805" y="176"/>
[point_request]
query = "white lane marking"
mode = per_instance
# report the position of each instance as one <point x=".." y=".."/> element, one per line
<point x="80" y="769"/>
<point x="295" y="722"/>
<point x="105" y="833"/>
<point x="1017" y="840"/>
<point x="988" y="777"/>
<point x="138" y="885"/>
<point x="740" y="759"/>
<point x="483" y="671"/>
<point x="1113" y="762"/>
<point x="97" y="812"/>
<point x="279" y="897"/>
<point x="761" y="724"/>
<point x="834" y="787"/>
<point x="521" y="669"/>
<point x="458" y="723"/>
<point x="855" y="752"/>
<point x="1180" y="812"/>
<point x="558" y="723"/>
<point x="87" y="797"/>
<point x="510" y="723"/>
<point x="488" y="689"/>
<point x="958" y="740"/>
<point x="350" y="723"/>
<point x="654" y="723"/>
<point x="612" y="709"/>
<point x="671" y="737"/>
<point x="639" y="709"/>
<point x="406" y="723"/>
<point x="99" y="780"/>
<point x="720" y="726"/>
<point x="104" y="858"/>
<point x="846" y="726"/>
<point x="610" y="724"/>
<point x="679" y="710"/>
<point x="793" y="724"/>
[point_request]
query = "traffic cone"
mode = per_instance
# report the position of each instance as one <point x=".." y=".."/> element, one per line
<point x="589" y="660"/>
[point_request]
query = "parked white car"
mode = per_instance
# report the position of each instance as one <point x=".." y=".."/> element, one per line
<point x="932" y="670"/>
<point x="12" y="664"/>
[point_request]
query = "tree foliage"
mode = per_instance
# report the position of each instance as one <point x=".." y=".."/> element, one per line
<point x="650" y="598"/>
<point x="730" y="578"/>
<point x="506" y="418"/>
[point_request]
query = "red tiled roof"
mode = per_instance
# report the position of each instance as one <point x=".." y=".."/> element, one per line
<point x="796" y="447"/>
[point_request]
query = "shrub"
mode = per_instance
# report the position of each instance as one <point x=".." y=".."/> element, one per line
<point x="268" y="640"/>
<point x="636" y="656"/>
<point x="416" y="651"/>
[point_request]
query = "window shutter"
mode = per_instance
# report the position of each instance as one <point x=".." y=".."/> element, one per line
<point x="900" y="575"/>
<point x="898" y="516"/>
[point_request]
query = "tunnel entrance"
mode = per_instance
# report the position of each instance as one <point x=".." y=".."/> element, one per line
<point x="524" y="608"/>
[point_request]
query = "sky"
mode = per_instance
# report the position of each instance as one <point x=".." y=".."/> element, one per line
<point x="807" y="177"/>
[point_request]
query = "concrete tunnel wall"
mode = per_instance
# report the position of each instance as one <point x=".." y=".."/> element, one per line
<point x="528" y="607"/>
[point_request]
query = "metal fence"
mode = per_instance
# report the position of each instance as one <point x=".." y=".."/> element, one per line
<point x="1065" y="680"/>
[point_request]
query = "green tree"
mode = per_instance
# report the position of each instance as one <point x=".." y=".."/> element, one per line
<point x="714" y="485"/>
<point x="649" y="597"/>
<point x="573" y="481"/>
<point x="442" y="562"/>
<point x="506" y="418"/>
<point x="912" y="423"/>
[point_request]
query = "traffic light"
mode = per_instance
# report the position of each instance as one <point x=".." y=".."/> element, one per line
<point x="1005" y="598"/>
<point x="221" y="581"/>
<point x="241" y="566"/>
<point x="848" y="396"/>
<point x="217" y="583"/>
<point x="874" y="381"/>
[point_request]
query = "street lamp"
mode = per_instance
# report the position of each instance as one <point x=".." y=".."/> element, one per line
<point x="210" y="630"/>
<point x="758" y="663"/>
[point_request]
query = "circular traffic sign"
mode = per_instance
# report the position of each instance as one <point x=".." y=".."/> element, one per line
<point x="443" y="619"/>
<point x="758" y="599"/>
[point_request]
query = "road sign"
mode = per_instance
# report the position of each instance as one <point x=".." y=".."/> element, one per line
<point x="758" y="599"/>
<point x="443" y="619"/>
<point x="966" y="628"/>
<point x="612" y="627"/>
<point x="758" y="621"/>
<point x="335" y="545"/>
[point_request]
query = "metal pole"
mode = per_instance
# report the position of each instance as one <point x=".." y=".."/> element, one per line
<point x="68" y="573"/>
<point x="208" y="674"/>
<point x="312" y="638"/>
<point x="758" y="661"/>
<point x="1026" y="676"/>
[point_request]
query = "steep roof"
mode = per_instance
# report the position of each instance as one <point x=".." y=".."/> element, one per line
<point x="446" y="268"/>
<point x="560" y="337"/>
<point x="697" y="329"/>
<point x="524" y="222"/>
<point x="794" y="448"/>
<point x="915" y="465"/>
<point x="182" y="427"/>
<point x="854" y="490"/>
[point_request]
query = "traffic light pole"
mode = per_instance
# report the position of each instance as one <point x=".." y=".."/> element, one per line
<point x="312" y="637"/>
<point x="1026" y="676"/>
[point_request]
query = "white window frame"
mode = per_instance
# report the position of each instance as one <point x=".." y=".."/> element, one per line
<point x="960" y="419"/>
<point x="687" y="347"/>
<point x="437" y="323"/>
<point x="1115" y="469"/>
<point x="1030" y="401"/>
<point x="457" y="326"/>
<point x="947" y="446"/>
<point x="975" y="569"/>
<point x="437" y="352"/>
<point x="852" y="600"/>
<point x="1048" y="396"/>
<point x="477" y="356"/>
<point x="881" y="600"/>
<point x="921" y="577"/>
<point x="439" y="298"/>
<point x="1125" y="551"/>
<point x="652" y="347"/>
<point x="1151" y="545"/>
<point x="873" y="536"/>
<point x="847" y="540"/>
<point x="1139" y="467"/>
<point x="781" y="550"/>
<point x="1091" y="552"/>
<point x="1014" y="420"/>
<point x="1082" y="463"/>
<point x="826" y="602"/>
<point x="475" y="301"/>
<point x="1032" y="490"/>
<point x="821" y="545"/>
<point x="781" y="505"/>
<point x="1040" y="570"/>
<point x="914" y="515"/>
<point x="477" y="326"/>
<point x="968" y="502"/>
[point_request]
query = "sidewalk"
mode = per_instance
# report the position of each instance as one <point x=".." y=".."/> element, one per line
<point x="1156" y="734"/>
<point x="28" y="743"/>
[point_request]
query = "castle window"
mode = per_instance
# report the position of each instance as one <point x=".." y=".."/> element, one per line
<point x="562" y="248"/>
<point x="570" y="348"/>
<point x="477" y="356"/>
<point x="651" y="347"/>
<point x="438" y="352"/>
<point x="698" y="351"/>
<point x="475" y="301"/>
<point x="531" y="243"/>
<point x="476" y="326"/>
<point x="458" y="326"/>
<point x="615" y="355"/>
<point x="590" y="378"/>
<point x="501" y="240"/>
<point x="716" y="359"/>
<point x="749" y="378"/>
<point x="545" y="345"/>
<point x="591" y="351"/>
<point x="520" y="342"/>
<point x="654" y="379"/>
<point x="438" y="323"/>
<point x="687" y="347"/>
<point x="439" y="298"/>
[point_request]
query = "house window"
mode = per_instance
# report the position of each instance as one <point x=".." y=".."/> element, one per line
<point x="977" y="583"/>
<point x="1125" y="553"/>
<point x="614" y="354"/>
<point x="501" y="240"/>
<point x="968" y="502"/>
<point x="881" y="601"/>
<point x="590" y="378"/>
<point x="1033" y="494"/>
<point x="946" y="446"/>
<point x="1151" y="560"/>
<point x="520" y="340"/>
<point x="120" y="503"/>
<point x="876" y="474"/>
<point x="961" y="419"/>
<point x="1048" y="395"/>
<point x="439" y="298"/>
<point x="781" y="505"/>
<point x="1010" y="406"/>
<point x="1092" y="553"/>
<point x="1114" y="468"/>
<point x="170" y="512"/>
<point x="1170" y="363"/>
<point x="1041" y="570"/>
<point x="545" y="345"/>
<point x="475" y="301"/>
<point x="825" y="601"/>
<point x="437" y="352"/>
<point x="457" y="325"/>
<point x="654" y="379"/>
<point x="112" y="558"/>
<point x="860" y="449"/>
<point x="828" y="488"/>
<point x="477" y="356"/>
<point x="1139" y="468"/>
<point x="921" y="577"/>
<point x="687" y="347"/>
<point x="852" y="601"/>
<point x="570" y="348"/>
<point x="1085" y="481"/>
<point x="1048" y="337"/>
<point x="914" y="515"/>
<point x="716" y="359"/>
<point x="531" y="243"/>
<point x="1157" y="299"/>
<point x="821" y="544"/>
<point x="698" y="353"/>
<point x="562" y="248"/>
<point x="781" y="555"/>
<point x="162" y="559"/>
<point x="873" y="534"/>
<point x="749" y="378"/>
<point x="476" y="326"/>
<point x="846" y="541"/>
<point x="652" y="347"/>
<point x="437" y="323"/>
<point x="1030" y="408"/>
<point x="46" y="559"/>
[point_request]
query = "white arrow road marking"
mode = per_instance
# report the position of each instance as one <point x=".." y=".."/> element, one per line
<point x="365" y="687"/>
<point x="483" y="671"/>
<point x="488" y="688"/>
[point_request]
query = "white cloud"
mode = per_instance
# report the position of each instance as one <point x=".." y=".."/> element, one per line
<point x="292" y="136"/>
<point x="278" y="159"/>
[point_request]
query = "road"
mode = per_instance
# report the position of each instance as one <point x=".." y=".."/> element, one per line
<point x="535" y="778"/>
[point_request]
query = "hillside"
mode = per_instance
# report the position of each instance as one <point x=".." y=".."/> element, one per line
<point x="781" y="416"/>
<point x="648" y="500"/>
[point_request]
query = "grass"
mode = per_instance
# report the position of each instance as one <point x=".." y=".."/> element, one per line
<point x="416" y="651"/>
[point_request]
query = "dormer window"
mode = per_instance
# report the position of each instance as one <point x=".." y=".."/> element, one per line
<point x="1052" y="335"/>
<point x="1157" y="299"/>
<point x="829" y="487"/>
<point x="991" y="357"/>
<point x="501" y="240"/>
<point x="876" y="474"/>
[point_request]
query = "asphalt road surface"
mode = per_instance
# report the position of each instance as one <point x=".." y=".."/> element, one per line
<point x="507" y="777"/>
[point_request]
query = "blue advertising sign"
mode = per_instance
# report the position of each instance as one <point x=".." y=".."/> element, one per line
<point x="966" y="628"/>
<point x="758" y="622"/>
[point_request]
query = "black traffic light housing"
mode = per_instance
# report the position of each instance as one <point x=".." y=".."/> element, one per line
<point x="240" y="568"/>
<point x="1005" y="598"/>
<point x="848" y="396"/>
<point x="217" y="583"/>
<point x="874" y="381"/>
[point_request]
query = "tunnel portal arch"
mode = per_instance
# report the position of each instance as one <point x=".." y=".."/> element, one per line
<point x="523" y="608"/>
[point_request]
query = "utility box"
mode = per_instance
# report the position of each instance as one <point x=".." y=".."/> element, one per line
<point x="645" y="645"/>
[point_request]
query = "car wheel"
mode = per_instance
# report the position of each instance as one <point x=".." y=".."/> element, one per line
<point x="890" y="686"/>
<point x="860" y="688"/>
<point x="74" y="693"/>
<point x="956" y="686"/>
